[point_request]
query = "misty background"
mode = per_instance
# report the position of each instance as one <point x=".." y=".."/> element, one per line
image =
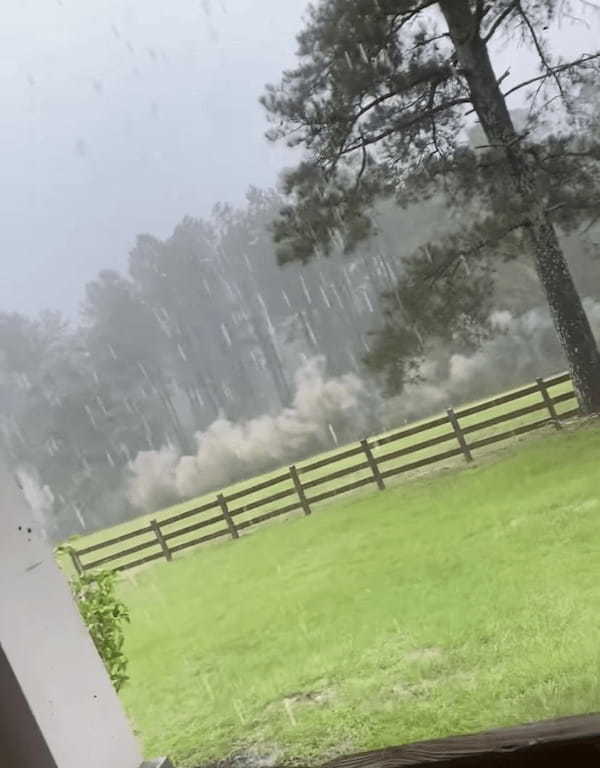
<point x="150" y="347"/>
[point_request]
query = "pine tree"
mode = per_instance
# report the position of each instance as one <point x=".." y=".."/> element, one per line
<point x="379" y="101"/>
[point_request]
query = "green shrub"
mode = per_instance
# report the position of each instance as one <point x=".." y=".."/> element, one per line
<point x="104" y="615"/>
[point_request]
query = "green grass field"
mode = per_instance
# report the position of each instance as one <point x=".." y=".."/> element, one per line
<point x="450" y="463"/>
<point x="452" y="602"/>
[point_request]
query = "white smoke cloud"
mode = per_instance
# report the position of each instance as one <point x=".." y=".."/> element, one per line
<point x="227" y="452"/>
<point x="524" y="348"/>
<point x="155" y="474"/>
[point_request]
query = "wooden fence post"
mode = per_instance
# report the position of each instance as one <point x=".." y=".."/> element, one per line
<point x="548" y="401"/>
<point x="161" y="540"/>
<point x="76" y="561"/>
<point x="300" y="490"/>
<point x="373" y="464"/>
<point x="227" y="516"/>
<point x="452" y="418"/>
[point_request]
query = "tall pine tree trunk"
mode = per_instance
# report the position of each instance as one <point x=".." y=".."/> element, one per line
<point x="568" y="315"/>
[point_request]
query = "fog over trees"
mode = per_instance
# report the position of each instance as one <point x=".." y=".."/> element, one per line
<point x="207" y="362"/>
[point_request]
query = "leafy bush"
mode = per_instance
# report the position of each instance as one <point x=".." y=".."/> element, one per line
<point x="104" y="615"/>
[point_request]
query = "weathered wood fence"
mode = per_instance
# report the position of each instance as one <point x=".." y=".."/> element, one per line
<point x="160" y="540"/>
<point x="566" y="741"/>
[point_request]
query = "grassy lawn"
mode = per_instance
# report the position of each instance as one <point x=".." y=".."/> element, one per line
<point x="450" y="603"/>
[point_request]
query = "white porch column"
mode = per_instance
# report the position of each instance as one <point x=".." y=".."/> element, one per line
<point x="58" y="708"/>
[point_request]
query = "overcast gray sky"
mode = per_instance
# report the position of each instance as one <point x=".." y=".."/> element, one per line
<point x="122" y="116"/>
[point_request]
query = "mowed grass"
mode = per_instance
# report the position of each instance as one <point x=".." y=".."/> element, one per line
<point x="454" y="602"/>
<point x="315" y="479"/>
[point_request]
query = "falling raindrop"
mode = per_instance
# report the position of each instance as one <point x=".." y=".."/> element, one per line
<point x="363" y="53"/>
<point x="305" y="290"/>
<point x="226" y="335"/>
<point x="182" y="354"/>
<point x="337" y="295"/>
<point x="79" y="516"/>
<point x="311" y="334"/>
<point x="88" y="410"/>
<point x="347" y="279"/>
<point x="348" y="60"/>
<point x="142" y="368"/>
<point x="333" y="434"/>
<point x="255" y="359"/>
<point x="270" y="328"/>
<point x="110" y="459"/>
<point x="325" y="297"/>
<point x="101" y="405"/>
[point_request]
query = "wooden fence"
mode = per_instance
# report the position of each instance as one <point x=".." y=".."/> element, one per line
<point x="160" y="540"/>
<point x="558" y="743"/>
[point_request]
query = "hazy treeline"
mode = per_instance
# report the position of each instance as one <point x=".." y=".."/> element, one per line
<point x="207" y="362"/>
<point x="204" y="328"/>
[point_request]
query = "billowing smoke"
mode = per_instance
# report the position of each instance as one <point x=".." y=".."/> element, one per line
<point x="324" y="411"/>
<point x="153" y="479"/>
<point x="523" y="348"/>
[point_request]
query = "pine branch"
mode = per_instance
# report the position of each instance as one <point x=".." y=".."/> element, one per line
<point x="423" y="43"/>
<point x="475" y="249"/>
<point x="590" y="224"/>
<point x="409" y="14"/>
<point x="481" y="12"/>
<point x="498" y="21"/>
<point x="362" y="168"/>
<point x="539" y="49"/>
<point x="561" y="68"/>
<point x="433" y="125"/>
<point x="407" y="123"/>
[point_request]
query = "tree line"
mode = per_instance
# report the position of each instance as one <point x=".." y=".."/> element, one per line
<point x="406" y="224"/>
<point x="204" y="325"/>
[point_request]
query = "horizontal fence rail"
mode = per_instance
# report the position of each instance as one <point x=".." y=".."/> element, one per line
<point x="299" y="485"/>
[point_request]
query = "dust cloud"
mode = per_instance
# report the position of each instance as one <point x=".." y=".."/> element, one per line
<point x="324" y="412"/>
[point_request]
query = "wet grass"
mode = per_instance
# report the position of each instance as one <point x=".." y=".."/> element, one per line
<point x="449" y="603"/>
